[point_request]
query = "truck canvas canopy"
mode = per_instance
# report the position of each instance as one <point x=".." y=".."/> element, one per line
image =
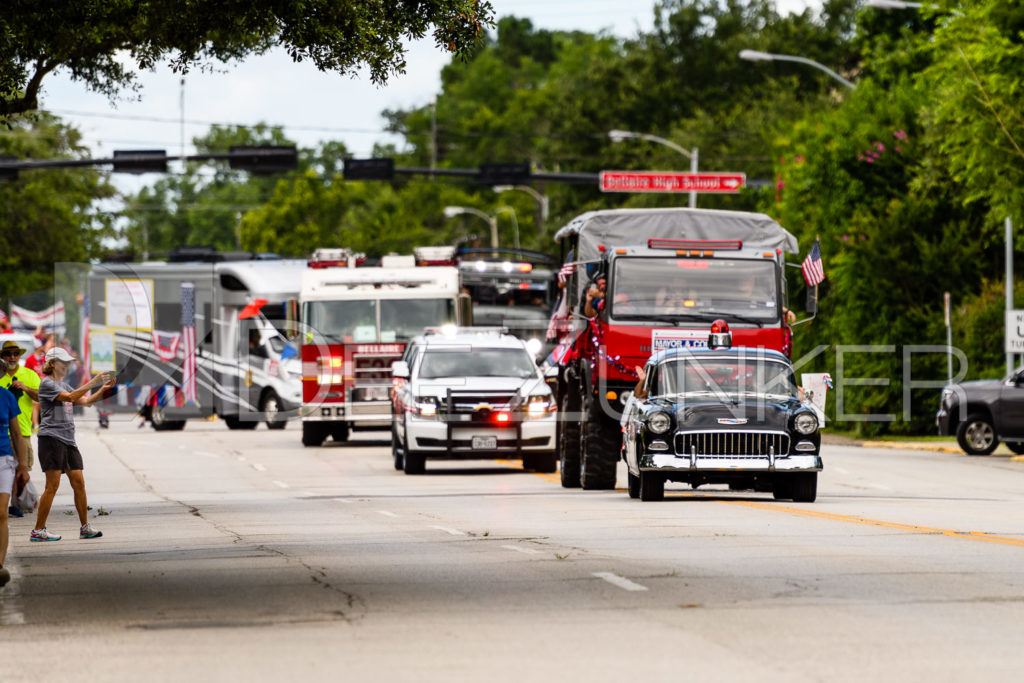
<point x="618" y="228"/>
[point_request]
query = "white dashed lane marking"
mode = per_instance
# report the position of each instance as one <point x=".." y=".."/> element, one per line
<point x="526" y="551"/>
<point x="448" y="530"/>
<point x="623" y="583"/>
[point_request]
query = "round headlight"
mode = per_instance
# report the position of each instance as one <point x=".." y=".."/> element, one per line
<point x="659" y="423"/>
<point x="805" y="423"/>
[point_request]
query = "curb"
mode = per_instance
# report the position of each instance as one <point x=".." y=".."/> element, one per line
<point x="913" y="446"/>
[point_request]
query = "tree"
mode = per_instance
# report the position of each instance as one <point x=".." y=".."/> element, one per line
<point x="47" y="214"/>
<point x="90" y="39"/>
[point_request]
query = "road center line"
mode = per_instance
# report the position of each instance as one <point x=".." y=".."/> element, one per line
<point x="258" y="467"/>
<point x="622" y="582"/>
<point x="386" y="513"/>
<point x="280" y="484"/>
<point x="448" y="530"/>
<point x="972" y="535"/>
<point x="527" y="551"/>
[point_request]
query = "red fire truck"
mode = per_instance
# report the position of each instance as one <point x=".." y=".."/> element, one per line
<point x="356" y="321"/>
<point x="667" y="275"/>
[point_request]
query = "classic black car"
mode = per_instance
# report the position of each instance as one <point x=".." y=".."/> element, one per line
<point x="725" y="416"/>
<point x="983" y="412"/>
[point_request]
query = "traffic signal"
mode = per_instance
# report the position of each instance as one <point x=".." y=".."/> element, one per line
<point x="512" y="173"/>
<point x="263" y="159"/>
<point x="8" y="173"/>
<point x="140" y="161"/>
<point x="370" y="169"/>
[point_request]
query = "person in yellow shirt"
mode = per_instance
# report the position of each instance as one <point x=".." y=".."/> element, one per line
<point x="24" y="384"/>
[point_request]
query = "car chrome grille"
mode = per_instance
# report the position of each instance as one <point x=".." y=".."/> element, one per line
<point x="732" y="444"/>
<point x="479" y="405"/>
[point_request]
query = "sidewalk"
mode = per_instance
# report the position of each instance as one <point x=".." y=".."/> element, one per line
<point x="945" y="446"/>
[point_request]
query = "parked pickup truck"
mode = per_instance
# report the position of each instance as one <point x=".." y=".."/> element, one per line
<point x="984" y="412"/>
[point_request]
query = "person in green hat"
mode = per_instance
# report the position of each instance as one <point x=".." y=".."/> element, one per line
<point x="24" y="384"/>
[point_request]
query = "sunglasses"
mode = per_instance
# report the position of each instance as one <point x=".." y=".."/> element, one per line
<point x="10" y="354"/>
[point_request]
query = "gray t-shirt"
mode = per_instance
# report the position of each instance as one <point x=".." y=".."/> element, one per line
<point x="56" y="418"/>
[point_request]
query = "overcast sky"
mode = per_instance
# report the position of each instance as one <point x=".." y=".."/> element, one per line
<point x="310" y="105"/>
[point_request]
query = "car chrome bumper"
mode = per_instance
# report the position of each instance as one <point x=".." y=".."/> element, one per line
<point x="437" y="438"/>
<point x="670" y="462"/>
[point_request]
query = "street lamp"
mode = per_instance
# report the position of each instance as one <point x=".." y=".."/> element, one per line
<point x="757" y="56"/>
<point x="452" y="211"/>
<point x="542" y="201"/>
<point x="620" y="135"/>
<point x="515" y="223"/>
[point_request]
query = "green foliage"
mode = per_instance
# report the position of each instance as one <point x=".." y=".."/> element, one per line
<point x="87" y="38"/>
<point x="46" y="214"/>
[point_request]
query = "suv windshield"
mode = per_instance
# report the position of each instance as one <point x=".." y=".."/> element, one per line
<point x="476" y="362"/>
<point x="733" y="289"/>
<point x="357" y="321"/>
<point x="731" y="376"/>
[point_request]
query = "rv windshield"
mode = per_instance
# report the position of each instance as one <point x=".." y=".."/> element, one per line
<point x="357" y="321"/>
<point x="743" y="290"/>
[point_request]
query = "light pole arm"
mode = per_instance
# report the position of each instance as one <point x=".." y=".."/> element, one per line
<point x="756" y="56"/>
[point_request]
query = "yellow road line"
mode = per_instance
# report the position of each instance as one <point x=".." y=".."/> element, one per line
<point x="972" y="535"/>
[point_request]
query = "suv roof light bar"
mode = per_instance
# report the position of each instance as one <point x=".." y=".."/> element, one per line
<point x="665" y="243"/>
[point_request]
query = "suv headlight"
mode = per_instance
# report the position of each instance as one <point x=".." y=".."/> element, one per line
<point x="540" y="405"/>
<point x="426" y="406"/>
<point x="659" y="423"/>
<point x="805" y="423"/>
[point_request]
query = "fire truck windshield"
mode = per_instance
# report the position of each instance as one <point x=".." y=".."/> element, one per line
<point x="742" y="290"/>
<point x="376" y="321"/>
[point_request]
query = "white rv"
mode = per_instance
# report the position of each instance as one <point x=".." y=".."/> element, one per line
<point x="193" y="338"/>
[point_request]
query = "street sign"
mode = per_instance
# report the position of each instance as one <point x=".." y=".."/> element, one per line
<point x="669" y="181"/>
<point x="1015" y="332"/>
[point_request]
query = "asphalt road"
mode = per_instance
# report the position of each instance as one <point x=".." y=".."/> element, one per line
<point x="243" y="556"/>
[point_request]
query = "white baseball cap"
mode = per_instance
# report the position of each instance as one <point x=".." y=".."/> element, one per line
<point x="57" y="353"/>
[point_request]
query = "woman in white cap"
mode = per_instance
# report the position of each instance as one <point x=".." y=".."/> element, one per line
<point x="58" y="452"/>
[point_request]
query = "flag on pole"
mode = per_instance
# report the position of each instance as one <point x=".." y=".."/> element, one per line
<point x="188" y="335"/>
<point x="566" y="272"/>
<point x="814" y="273"/>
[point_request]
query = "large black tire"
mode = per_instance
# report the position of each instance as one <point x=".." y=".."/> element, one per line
<point x="396" y="452"/>
<point x="804" y="487"/>
<point x="235" y="422"/>
<point x="313" y="434"/>
<point x="271" y="407"/>
<point x="600" y="443"/>
<point x="415" y="463"/>
<point x="976" y="435"/>
<point x="632" y="484"/>
<point x="569" y="437"/>
<point x="339" y="431"/>
<point x="160" y="423"/>
<point x="782" y="487"/>
<point x="652" y="486"/>
<point x="1016" y="446"/>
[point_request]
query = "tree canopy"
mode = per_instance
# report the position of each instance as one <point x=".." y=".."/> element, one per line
<point x="99" y="42"/>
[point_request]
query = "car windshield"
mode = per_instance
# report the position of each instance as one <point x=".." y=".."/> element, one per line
<point x="737" y="290"/>
<point x="356" y="321"/>
<point x="724" y="375"/>
<point x="476" y="362"/>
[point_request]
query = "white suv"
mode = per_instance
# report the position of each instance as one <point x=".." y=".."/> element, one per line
<point x="466" y="393"/>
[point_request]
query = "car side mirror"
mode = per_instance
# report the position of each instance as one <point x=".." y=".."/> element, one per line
<point x="400" y="369"/>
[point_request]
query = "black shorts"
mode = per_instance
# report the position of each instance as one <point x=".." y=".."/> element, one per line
<point x="54" y="454"/>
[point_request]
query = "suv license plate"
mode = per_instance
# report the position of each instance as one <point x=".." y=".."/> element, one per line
<point x="485" y="443"/>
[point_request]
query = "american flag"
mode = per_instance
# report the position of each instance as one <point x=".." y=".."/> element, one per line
<point x="813" y="271"/>
<point x="566" y="271"/>
<point x="188" y="335"/>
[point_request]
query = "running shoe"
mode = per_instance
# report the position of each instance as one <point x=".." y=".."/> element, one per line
<point x="88" y="532"/>
<point x="42" y="535"/>
<point x="15" y="511"/>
